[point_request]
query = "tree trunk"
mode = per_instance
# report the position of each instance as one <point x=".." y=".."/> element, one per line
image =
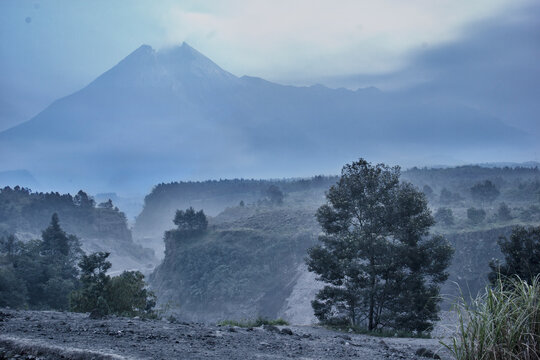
<point x="371" y="324"/>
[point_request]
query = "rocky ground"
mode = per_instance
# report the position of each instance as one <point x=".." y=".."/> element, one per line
<point x="57" y="335"/>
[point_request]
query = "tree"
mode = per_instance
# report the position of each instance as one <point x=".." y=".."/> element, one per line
<point x="40" y="274"/>
<point x="190" y="220"/>
<point x="55" y="240"/>
<point x="127" y="295"/>
<point x="83" y="201"/>
<point x="94" y="280"/>
<point x="484" y="192"/>
<point x="448" y="197"/>
<point x="521" y="255"/>
<point x="444" y="216"/>
<point x="379" y="267"/>
<point x="275" y="195"/>
<point x="124" y="295"/>
<point x="476" y="216"/>
<point x="504" y="213"/>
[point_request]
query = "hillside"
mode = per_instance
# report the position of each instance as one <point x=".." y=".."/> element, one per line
<point x="250" y="261"/>
<point x="100" y="227"/>
<point x="175" y="114"/>
<point x="241" y="269"/>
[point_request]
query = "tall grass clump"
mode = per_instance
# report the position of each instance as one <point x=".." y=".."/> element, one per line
<point x="502" y="324"/>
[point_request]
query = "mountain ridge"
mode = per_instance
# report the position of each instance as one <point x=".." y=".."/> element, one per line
<point x="175" y="114"/>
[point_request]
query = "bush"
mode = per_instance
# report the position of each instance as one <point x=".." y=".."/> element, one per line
<point x="476" y="216"/>
<point x="124" y="295"/>
<point x="504" y="213"/>
<point x="260" y="321"/>
<point x="444" y="216"/>
<point x="502" y="324"/>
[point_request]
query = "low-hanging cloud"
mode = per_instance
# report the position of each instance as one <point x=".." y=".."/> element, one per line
<point x="493" y="66"/>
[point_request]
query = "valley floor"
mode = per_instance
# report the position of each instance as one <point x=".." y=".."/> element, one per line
<point x="54" y="335"/>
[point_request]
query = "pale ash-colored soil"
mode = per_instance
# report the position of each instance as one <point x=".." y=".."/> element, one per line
<point x="54" y="335"/>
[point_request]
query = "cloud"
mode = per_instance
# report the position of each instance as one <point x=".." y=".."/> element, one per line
<point x="296" y="41"/>
<point x="491" y="66"/>
<point x="495" y="68"/>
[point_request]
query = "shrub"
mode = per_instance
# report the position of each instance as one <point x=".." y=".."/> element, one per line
<point x="504" y="213"/>
<point x="502" y="324"/>
<point x="260" y="321"/>
<point x="476" y="216"/>
<point x="444" y="216"/>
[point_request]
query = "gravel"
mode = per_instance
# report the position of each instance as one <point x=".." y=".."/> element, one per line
<point x="54" y="335"/>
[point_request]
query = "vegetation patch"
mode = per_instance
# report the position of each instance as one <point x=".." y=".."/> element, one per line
<point x="260" y="321"/>
<point x="502" y="324"/>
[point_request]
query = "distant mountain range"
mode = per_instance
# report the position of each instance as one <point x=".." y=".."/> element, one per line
<point x="174" y="114"/>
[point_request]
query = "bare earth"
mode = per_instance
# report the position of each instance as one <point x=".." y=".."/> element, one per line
<point x="55" y="335"/>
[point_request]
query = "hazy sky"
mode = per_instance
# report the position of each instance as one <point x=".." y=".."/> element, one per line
<point x="49" y="49"/>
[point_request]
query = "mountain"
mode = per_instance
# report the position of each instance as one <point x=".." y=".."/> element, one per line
<point x="171" y="114"/>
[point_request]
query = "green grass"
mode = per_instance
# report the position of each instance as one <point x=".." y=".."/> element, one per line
<point x="260" y="321"/>
<point x="502" y="324"/>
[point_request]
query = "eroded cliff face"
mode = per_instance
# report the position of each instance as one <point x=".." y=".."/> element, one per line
<point x="234" y="270"/>
<point x="468" y="274"/>
<point x="297" y="306"/>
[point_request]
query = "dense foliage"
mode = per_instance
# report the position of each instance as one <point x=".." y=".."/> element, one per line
<point x="43" y="274"/>
<point x="124" y="295"/>
<point x="190" y="220"/>
<point x="485" y="192"/>
<point x="39" y="274"/>
<point x="379" y="267"/>
<point x="521" y="255"/>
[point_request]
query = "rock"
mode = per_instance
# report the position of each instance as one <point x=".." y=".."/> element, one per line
<point x="427" y="353"/>
<point x="96" y="314"/>
<point x="271" y="328"/>
<point x="286" y="331"/>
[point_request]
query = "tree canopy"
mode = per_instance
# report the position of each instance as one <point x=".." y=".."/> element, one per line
<point x="484" y="191"/>
<point x="41" y="273"/>
<point x="379" y="266"/>
<point x="190" y="220"/>
<point x="521" y="255"/>
<point x="101" y="294"/>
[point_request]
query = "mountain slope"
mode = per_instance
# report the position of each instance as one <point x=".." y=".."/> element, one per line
<point x="160" y="115"/>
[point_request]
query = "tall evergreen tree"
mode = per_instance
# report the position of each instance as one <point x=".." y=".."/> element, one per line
<point x="380" y="268"/>
<point x="55" y="240"/>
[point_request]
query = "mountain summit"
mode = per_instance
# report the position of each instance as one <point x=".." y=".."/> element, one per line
<point x="169" y="114"/>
